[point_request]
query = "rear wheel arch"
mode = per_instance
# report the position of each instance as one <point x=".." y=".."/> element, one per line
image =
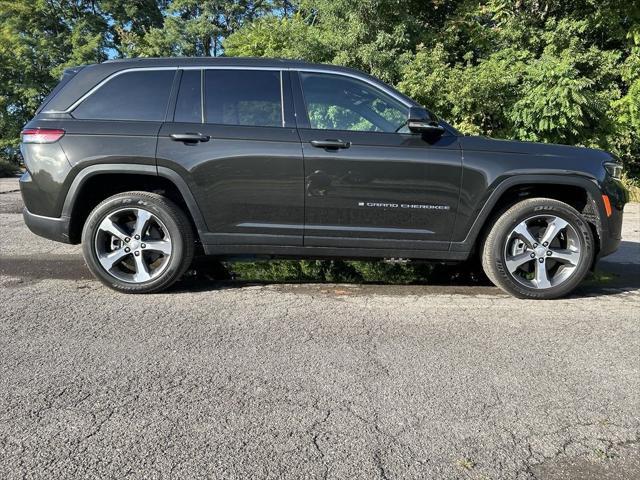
<point x="96" y="183"/>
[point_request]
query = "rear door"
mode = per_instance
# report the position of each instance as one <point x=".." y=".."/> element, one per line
<point x="233" y="139"/>
<point x="370" y="182"/>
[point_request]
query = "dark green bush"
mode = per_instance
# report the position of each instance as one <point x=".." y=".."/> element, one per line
<point x="336" y="271"/>
<point x="8" y="169"/>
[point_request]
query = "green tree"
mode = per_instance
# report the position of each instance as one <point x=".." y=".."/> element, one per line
<point x="38" y="39"/>
<point x="193" y="28"/>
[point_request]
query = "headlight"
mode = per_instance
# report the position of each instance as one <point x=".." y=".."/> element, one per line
<point x="614" y="169"/>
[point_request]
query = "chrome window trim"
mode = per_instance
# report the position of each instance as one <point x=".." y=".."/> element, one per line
<point x="376" y="85"/>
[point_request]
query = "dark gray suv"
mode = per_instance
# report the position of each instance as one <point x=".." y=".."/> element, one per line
<point x="147" y="161"/>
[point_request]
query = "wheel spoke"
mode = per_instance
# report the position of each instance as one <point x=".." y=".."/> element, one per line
<point x="566" y="256"/>
<point x="142" y="222"/>
<point x="162" y="246"/>
<point x="542" y="278"/>
<point x="514" y="262"/>
<point x="142" y="271"/>
<point x="110" y="260"/>
<point x="554" y="227"/>
<point x="108" y="226"/>
<point x="523" y="232"/>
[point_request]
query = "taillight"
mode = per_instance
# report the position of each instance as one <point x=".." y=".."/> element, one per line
<point x="41" y="135"/>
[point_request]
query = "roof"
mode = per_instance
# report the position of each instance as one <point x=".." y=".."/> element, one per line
<point x="89" y="76"/>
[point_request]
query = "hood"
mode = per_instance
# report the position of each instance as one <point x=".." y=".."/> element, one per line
<point x="485" y="144"/>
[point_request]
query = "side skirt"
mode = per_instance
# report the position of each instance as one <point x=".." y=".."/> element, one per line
<point x="275" y="251"/>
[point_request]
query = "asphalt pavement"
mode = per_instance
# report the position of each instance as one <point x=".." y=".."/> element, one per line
<point x="234" y="380"/>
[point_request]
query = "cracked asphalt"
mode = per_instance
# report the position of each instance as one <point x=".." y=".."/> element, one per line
<point x="238" y="381"/>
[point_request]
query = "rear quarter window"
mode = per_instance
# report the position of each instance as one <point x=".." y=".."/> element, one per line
<point x="141" y="95"/>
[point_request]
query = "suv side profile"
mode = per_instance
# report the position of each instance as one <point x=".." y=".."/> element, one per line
<point x="147" y="161"/>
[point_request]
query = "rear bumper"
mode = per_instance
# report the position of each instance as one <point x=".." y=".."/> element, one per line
<point x="48" y="227"/>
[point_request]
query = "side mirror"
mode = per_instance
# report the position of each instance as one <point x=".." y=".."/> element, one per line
<point x="421" y="121"/>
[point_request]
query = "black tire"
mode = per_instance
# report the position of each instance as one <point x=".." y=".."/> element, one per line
<point x="172" y="217"/>
<point x="495" y="244"/>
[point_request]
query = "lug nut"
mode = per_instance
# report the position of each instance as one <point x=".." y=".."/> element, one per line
<point x="541" y="259"/>
<point x="533" y="255"/>
<point x="549" y="253"/>
<point x="535" y="245"/>
<point x="137" y="254"/>
<point x="545" y="244"/>
<point x="127" y="249"/>
<point x="143" y="246"/>
<point x="127" y="240"/>
<point x="137" y="237"/>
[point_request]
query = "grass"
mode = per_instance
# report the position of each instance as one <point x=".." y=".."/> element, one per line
<point x="599" y="278"/>
<point x="466" y="464"/>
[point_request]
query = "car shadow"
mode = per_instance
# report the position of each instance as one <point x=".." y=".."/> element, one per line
<point x="615" y="274"/>
<point x="58" y="267"/>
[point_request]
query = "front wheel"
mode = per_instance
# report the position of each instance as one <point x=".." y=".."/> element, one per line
<point x="540" y="248"/>
<point x="137" y="242"/>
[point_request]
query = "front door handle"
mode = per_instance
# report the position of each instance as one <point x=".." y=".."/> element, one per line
<point x="330" y="144"/>
<point x="189" y="137"/>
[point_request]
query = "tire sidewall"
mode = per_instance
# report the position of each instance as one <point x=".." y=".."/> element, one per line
<point x="516" y="215"/>
<point x="176" y="261"/>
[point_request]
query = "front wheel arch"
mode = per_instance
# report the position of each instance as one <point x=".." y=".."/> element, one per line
<point x="522" y="187"/>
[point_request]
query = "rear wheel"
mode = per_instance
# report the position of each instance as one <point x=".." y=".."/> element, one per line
<point x="137" y="242"/>
<point x="540" y="248"/>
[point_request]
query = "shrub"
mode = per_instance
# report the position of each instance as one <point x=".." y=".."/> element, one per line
<point x="8" y="169"/>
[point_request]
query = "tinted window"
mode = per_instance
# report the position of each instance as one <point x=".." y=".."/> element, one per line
<point x="336" y="102"/>
<point x="129" y="96"/>
<point x="189" y="102"/>
<point x="243" y="97"/>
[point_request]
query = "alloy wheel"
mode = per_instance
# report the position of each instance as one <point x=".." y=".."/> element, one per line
<point x="542" y="252"/>
<point x="133" y="245"/>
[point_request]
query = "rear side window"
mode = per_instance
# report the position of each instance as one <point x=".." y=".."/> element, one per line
<point x="243" y="97"/>
<point x="141" y="95"/>
<point x="189" y="101"/>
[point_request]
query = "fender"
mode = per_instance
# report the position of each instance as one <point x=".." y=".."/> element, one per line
<point x="150" y="170"/>
<point x="589" y="184"/>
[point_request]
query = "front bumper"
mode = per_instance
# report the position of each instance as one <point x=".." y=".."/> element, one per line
<point x="48" y="227"/>
<point x="611" y="234"/>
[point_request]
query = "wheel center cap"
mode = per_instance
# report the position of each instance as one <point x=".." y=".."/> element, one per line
<point x="134" y="244"/>
<point x="540" y="251"/>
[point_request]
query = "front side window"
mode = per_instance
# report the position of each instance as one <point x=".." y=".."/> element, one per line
<point x="243" y="97"/>
<point x="141" y="95"/>
<point x="337" y="102"/>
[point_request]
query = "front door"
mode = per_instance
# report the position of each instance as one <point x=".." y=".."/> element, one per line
<point x="369" y="182"/>
<point x="233" y="139"/>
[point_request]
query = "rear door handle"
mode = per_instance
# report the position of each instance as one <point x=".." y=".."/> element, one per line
<point x="330" y="144"/>
<point x="189" y="137"/>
